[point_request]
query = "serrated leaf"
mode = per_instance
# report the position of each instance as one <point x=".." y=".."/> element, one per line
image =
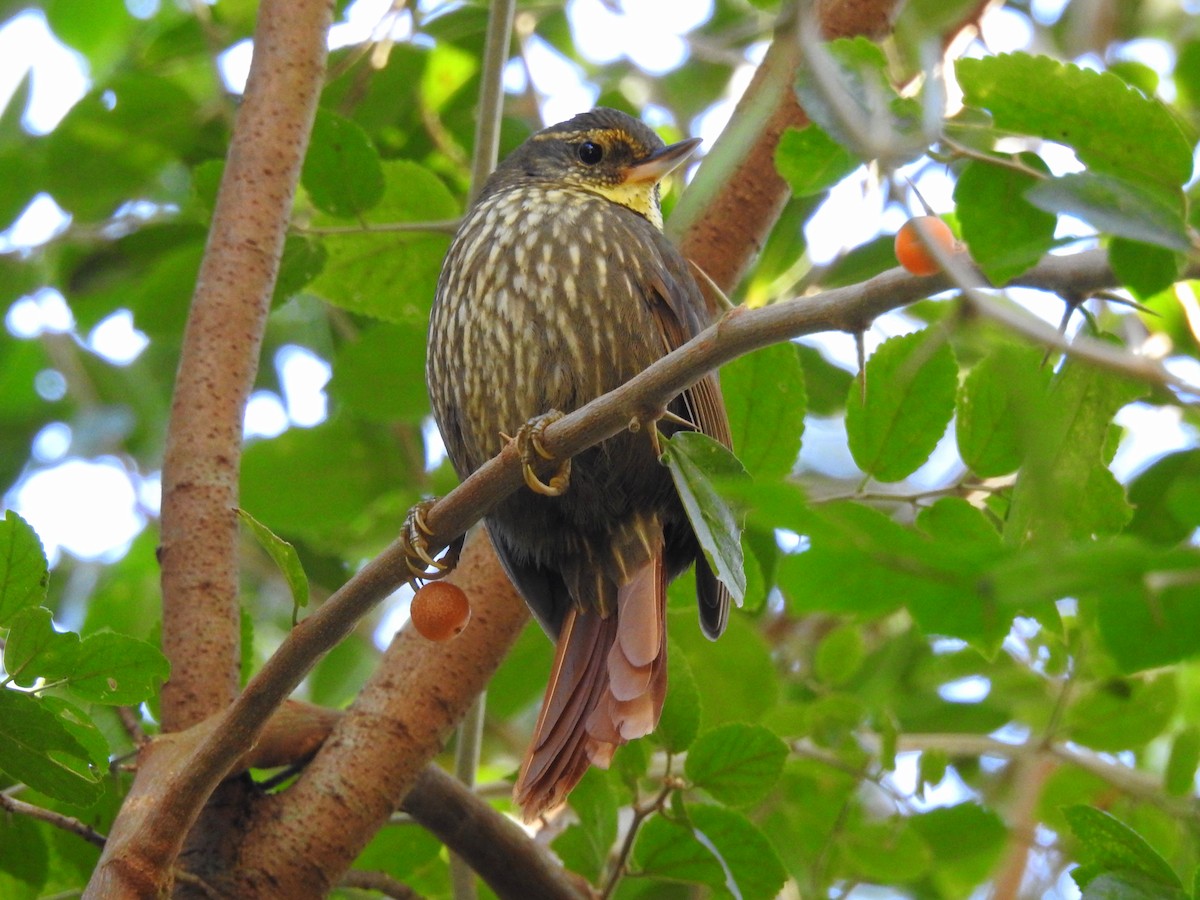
<point x="680" y="718"/>
<point x="342" y="172"/>
<point x="23" y="852"/>
<point x="1110" y="845"/>
<point x="738" y="764"/>
<point x="1065" y="490"/>
<point x="695" y="460"/>
<point x="23" y="572"/>
<point x="1115" y="206"/>
<point x="718" y="847"/>
<point x="381" y="375"/>
<point x="1122" y="714"/>
<point x="1005" y="233"/>
<point x="911" y="382"/>
<point x="117" y="669"/>
<point x="765" y="398"/>
<point x="1126" y="886"/>
<point x="1151" y="622"/>
<point x="585" y="846"/>
<point x="35" y="650"/>
<point x="839" y="655"/>
<point x="37" y="750"/>
<point x="811" y="162"/>
<point x="391" y="275"/>
<point x="1180" y="776"/>
<point x="995" y="416"/>
<point x="284" y="555"/>
<point x="1143" y="268"/>
<point x="889" y="853"/>
<point x="1137" y="136"/>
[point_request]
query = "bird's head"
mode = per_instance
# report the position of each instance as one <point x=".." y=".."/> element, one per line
<point x="603" y="151"/>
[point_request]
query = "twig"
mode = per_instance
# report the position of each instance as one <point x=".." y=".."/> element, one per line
<point x="379" y="882"/>
<point x="497" y="848"/>
<point x="436" y="226"/>
<point x="57" y="819"/>
<point x="640" y="814"/>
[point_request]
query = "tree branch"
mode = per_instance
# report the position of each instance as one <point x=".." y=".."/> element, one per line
<point x="57" y="819"/>
<point x="219" y="357"/>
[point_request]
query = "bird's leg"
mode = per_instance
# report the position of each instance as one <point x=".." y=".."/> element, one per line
<point x="415" y="537"/>
<point x="530" y="446"/>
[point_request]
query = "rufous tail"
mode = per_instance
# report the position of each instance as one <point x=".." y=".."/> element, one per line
<point x="607" y="686"/>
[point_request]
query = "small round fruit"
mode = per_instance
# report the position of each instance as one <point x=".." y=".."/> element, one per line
<point x="440" y="611"/>
<point x="912" y="250"/>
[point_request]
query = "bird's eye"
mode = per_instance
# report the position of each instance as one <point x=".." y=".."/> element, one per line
<point x="590" y="153"/>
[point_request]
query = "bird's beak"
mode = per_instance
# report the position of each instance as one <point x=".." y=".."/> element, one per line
<point x="661" y="163"/>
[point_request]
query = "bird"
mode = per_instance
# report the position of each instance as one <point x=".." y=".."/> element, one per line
<point x="558" y="287"/>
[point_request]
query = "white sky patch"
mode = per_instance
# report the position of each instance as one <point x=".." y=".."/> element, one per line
<point x="265" y="416"/>
<point x="41" y="220"/>
<point x="1005" y="30"/>
<point x="117" y="340"/>
<point x="87" y="507"/>
<point x="52" y="443"/>
<point x="234" y="65"/>
<point x="558" y="81"/>
<point x="1150" y="432"/>
<point x="38" y="313"/>
<point x="59" y="73"/>
<point x="303" y="376"/>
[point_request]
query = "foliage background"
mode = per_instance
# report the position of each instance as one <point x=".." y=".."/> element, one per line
<point x="968" y="652"/>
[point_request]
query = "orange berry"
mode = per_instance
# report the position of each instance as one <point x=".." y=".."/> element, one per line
<point x="440" y="611"/>
<point x="912" y="250"/>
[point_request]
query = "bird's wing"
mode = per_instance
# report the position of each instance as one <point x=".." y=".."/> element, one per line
<point x="677" y="307"/>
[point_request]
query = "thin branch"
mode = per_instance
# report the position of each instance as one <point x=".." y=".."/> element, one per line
<point x="435" y="226"/>
<point x="640" y="815"/>
<point x="380" y="882"/>
<point x="511" y="863"/>
<point x="57" y="819"/>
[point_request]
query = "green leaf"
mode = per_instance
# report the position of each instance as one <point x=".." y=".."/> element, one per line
<point x="587" y="844"/>
<point x="391" y="275"/>
<point x="23" y="572"/>
<point x="1116" y="207"/>
<point x="36" y="749"/>
<point x="911" y="382"/>
<point x="764" y="396"/>
<point x="825" y="384"/>
<point x="888" y="853"/>
<point x="680" y="718"/>
<point x="23" y="852"/>
<point x="1166" y="499"/>
<point x="381" y="375"/>
<point x="1143" y="268"/>
<point x="1065" y="490"/>
<point x="35" y="650"/>
<point x="718" y="848"/>
<point x="1180" y="776"/>
<point x="1125" y="886"/>
<point x="740" y="680"/>
<point x="847" y="92"/>
<point x="1137" y="137"/>
<point x="342" y="172"/>
<point x="284" y="555"/>
<point x="839" y="655"/>
<point x="966" y="841"/>
<point x="1152" y="622"/>
<point x="995" y="420"/>
<point x="117" y="669"/>
<point x="1122" y="714"/>
<point x="1006" y="234"/>
<point x="303" y="260"/>
<point x="695" y="460"/>
<point x="811" y="162"/>
<point x="1109" y="845"/>
<point x="737" y="764"/>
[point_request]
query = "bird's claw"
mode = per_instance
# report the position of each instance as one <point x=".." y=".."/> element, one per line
<point x="415" y="537"/>
<point x="530" y="446"/>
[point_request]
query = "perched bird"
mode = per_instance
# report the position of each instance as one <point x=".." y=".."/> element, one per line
<point x="558" y="287"/>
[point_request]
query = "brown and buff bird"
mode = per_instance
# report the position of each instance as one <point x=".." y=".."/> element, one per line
<point x="560" y="286"/>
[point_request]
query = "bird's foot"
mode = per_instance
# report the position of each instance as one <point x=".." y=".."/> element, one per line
<point x="533" y="452"/>
<point x="415" y="536"/>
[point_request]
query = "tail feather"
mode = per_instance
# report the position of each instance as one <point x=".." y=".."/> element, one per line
<point x="607" y="686"/>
